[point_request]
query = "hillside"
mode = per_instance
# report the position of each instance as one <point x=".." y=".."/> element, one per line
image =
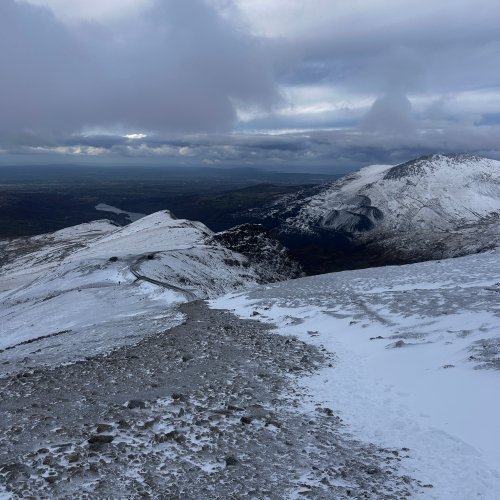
<point x="429" y="208"/>
<point x="86" y="288"/>
<point x="376" y="383"/>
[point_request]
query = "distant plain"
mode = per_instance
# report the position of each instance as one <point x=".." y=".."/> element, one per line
<point x="40" y="199"/>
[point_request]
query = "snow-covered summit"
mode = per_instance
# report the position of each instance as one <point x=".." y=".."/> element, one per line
<point x="434" y="192"/>
<point x="432" y="207"/>
<point x="158" y="232"/>
<point x="97" y="285"/>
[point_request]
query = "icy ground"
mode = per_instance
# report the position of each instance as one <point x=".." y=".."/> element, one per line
<point x="417" y="353"/>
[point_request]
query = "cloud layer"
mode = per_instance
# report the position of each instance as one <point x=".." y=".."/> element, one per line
<point x="320" y="84"/>
<point x="176" y="66"/>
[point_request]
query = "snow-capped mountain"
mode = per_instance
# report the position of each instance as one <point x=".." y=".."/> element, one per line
<point x="432" y="207"/>
<point x="87" y="287"/>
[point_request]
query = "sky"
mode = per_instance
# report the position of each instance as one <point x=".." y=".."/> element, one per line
<point x="309" y="85"/>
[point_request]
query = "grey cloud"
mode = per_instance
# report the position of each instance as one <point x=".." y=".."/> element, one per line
<point x="179" y="71"/>
<point x="176" y="66"/>
<point x="335" y="151"/>
<point x="425" y="46"/>
<point x="391" y="114"/>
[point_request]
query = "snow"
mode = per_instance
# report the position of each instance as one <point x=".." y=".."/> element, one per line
<point x="203" y="270"/>
<point x="430" y="208"/>
<point x="30" y="257"/>
<point x="435" y="192"/>
<point x="427" y="394"/>
<point x="83" y="310"/>
<point x="156" y="232"/>
<point x="61" y="297"/>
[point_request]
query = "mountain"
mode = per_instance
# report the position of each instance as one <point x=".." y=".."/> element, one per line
<point x="96" y="284"/>
<point x="263" y="251"/>
<point x="433" y="207"/>
<point x="117" y="382"/>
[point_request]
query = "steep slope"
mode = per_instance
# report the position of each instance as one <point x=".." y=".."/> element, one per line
<point x="416" y="362"/>
<point x="432" y="207"/>
<point x="21" y="259"/>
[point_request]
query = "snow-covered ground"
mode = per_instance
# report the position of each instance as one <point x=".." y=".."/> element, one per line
<point x="78" y="311"/>
<point x="416" y="361"/>
<point x="23" y="259"/>
<point x="76" y="292"/>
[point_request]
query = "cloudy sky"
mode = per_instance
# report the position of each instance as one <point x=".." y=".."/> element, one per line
<point x="285" y="84"/>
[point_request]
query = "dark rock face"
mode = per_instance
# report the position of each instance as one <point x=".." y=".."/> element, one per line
<point x="271" y="259"/>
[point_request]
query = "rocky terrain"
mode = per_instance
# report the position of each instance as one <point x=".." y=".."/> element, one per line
<point x="262" y="250"/>
<point x="208" y="409"/>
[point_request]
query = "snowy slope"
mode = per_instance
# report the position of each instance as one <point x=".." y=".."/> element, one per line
<point x="91" y="287"/>
<point x="417" y="359"/>
<point x="23" y="258"/>
<point x="433" y="207"/>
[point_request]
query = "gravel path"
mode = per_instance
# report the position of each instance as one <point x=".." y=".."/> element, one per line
<point x="207" y="409"/>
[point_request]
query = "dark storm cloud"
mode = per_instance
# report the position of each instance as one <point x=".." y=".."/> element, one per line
<point x="336" y="151"/>
<point x="178" y="65"/>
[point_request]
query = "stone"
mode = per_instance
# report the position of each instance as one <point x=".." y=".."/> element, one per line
<point x="100" y="439"/>
<point x="231" y="461"/>
<point x="136" y="403"/>
<point x="104" y="428"/>
<point x="74" y="457"/>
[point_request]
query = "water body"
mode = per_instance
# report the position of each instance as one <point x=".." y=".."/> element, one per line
<point x="133" y="216"/>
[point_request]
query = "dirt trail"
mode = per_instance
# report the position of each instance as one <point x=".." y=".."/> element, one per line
<point x="190" y="296"/>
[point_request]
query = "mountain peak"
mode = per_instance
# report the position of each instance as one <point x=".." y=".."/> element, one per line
<point x="423" y="164"/>
<point x="434" y="206"/>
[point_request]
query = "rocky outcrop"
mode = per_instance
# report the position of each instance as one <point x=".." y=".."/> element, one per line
<point x="265" y="253"/>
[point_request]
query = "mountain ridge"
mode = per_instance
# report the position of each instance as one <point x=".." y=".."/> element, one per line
<point x="432" y="207"/>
